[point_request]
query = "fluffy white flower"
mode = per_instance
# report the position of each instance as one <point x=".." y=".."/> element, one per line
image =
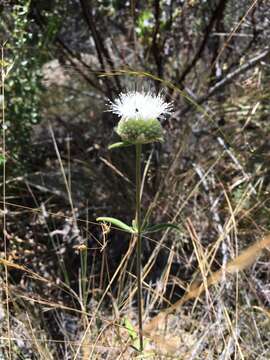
<point x="140" y="106"/>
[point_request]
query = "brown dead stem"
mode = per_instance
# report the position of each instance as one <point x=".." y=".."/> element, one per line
<point x="241" y="262"/>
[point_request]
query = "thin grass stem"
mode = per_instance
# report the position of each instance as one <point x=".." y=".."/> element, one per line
<point x="139" y="240"/>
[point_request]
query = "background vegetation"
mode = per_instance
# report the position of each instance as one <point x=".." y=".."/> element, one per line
<point x="67" y="283"/>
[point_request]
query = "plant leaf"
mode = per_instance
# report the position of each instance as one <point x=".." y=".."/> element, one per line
<point x="134" y="336"/>
<point x="119" y="144"/>
<point x="130" y="328"/>
<point x="154" y="228"/>
<point x="2" y="160"/>
<point x="118" y="223"/>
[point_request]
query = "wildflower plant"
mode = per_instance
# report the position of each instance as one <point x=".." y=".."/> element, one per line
<point x="140" y="114"/>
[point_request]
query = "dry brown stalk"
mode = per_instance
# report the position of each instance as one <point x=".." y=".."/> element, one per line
<point x="245" y="259"/>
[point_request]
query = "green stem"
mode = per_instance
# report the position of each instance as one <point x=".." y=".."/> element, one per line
<point x="139" y="240"/>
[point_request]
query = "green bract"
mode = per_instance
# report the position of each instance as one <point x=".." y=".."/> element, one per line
<point x="139" y="131"/>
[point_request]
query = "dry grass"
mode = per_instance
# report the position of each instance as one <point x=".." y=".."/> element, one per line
<point x="68" y="284"/>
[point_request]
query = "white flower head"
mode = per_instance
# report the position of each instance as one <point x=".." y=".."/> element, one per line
<point x="140" y="106"/>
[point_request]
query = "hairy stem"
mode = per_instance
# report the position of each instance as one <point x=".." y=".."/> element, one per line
<point x="139" y="240"/>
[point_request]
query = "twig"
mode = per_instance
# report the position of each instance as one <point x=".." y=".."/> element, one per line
<point x="228" y="79"/>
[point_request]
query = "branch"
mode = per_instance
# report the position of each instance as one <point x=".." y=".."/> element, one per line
<point x="216" y="15"/>
<point x="231" y="76"/>
<point x="100" y="48"/>
<point x="66" y="51"/>
<point x="155" y="46"/>
<point x="71" y="56"/>
<point x="228" y="79"/>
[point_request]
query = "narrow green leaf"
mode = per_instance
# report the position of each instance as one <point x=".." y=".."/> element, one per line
<point x="134" y="336"/>
<point x="119" y="144"/>
<point x="154" y="228"/>
<point x="130" y="328"/>
<point x="2" y="160"/>
<point x="118" y="223"/>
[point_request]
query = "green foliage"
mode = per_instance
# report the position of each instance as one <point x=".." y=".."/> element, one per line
<point x="23" y="83"/>
<point x="118" y="223"/>
<point x="145" y="23"/>
<point x="133" y="335"/>
<point x="130" y="328"/>
<point x="148" y="229"/>
<point x="159" y="227"/>
<point x="2" y="159"/>
<point x="24" y="54"/>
